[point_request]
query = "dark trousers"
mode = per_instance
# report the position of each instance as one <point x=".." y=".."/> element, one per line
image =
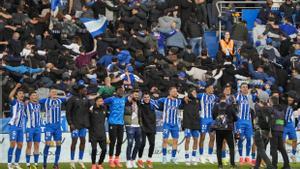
<point x="102" y="145"/>
<point x="133" y="135"/>
<point x="261" y="140"/>
<point x="151" y="140"/>
<point x="227" y="135"/>
<point x="115" y="135"/>
<point x="277" y="144"/>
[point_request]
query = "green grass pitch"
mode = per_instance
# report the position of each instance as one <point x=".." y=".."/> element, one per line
<point x="156" y="166"/>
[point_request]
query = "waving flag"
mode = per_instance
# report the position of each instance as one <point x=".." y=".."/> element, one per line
<point x="54" y="7"/>
<point x="95" y="26"/>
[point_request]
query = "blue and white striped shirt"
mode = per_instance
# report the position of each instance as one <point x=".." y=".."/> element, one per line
<point x="207" y="103"/>
<point x="289" y="115"/>
<point x="244" y="112"/>
<point x="33" y="115"/>
<point x="17" y="111"/>
<point x="53" y="110"/>
<point x="170" y="110"/>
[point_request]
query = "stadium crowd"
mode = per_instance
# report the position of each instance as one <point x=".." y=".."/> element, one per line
<point x="151" y="57"/>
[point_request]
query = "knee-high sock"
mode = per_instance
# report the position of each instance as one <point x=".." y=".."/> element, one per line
<point x="72" y="155"/>
<point x="18" y="155"/>
<point x="46" y="151"/>
<point x="164" y="151"/>
<point x="10" y="154"/>
<point x="36" y="158"/>
<point x="248" y="146"/>
<point x="81" y="152"/>
<point x="174" y="152"/>
<point x="28" y="159"/>
<point x="240" y="144"/>
<point x="57" y="154"/>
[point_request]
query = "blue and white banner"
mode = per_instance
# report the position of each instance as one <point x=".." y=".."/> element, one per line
<point x="55" y="7"/>
<point x="95" y="26"/>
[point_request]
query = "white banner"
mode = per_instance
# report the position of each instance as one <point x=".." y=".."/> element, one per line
<point x="66" y="143"/>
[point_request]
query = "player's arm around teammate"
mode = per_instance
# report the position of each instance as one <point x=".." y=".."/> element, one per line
<point x="16" y="134"/>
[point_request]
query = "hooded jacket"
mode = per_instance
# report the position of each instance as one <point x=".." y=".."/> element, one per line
<point x="97" y="117"/>
<point x="191" y="116"/>
<point x="77" y="111"/>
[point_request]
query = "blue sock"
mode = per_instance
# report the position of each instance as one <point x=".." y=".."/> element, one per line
<point x="248" y="146"/>
<point x="223" y="154"/>
<point x="57" y="154"/>
<point x="240" y="144"/>
<point x="186" y="155"/>
<point x="194" y="152"/>
<point x="72" y="155"/>
<point x="164" y="151"/>
<point x="201" y="151"/>
<point x="294" y="151"/>
<point x="174" y="153"/>
<point x="28" y="158"/>
<point x="46" y="152"/>
<point x="10" y="154"/>
<point x="18" y="155"/>
<point x="81" y="154"/>
<point x="210" y="150"/>
<point x="36" y="158"/>
<point x="253" y="155"/>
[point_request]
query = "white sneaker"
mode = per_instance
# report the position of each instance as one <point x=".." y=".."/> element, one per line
<point x="134" y="165"/>
<point x="187" y="162"/>
<point x="210" y="160"/>
<point x="202" y="160"/>
<point x="72" y="165"/>
<point x="164" y="160"/>
<point x="10" y="166"/>
<point x="173" y="160"/>
<point x="293" y="159"/>
<point x="129" y="164"/>
<point x="81" y="164"/>
<point x="194" y="161"/>
<point x="17" y="166"/>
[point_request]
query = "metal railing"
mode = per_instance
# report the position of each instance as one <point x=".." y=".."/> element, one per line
<point x="221" y="5"/>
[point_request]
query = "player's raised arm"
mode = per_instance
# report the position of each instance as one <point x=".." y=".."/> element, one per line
<point x="14" y="91"/>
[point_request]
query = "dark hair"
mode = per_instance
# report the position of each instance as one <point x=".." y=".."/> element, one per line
<point x="274" y="100"/>
<point x="146" y="93"/>
<point x="244" y="83"/>
<point x="135" y="90"/>
<point x="98" y="97"/>
<point x="222" y="96"/>
<point x="171" y="88"/>
<point x="20" y="90"/>
<point x="32" y="92"/>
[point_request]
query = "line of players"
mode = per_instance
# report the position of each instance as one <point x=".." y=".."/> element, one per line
<point x="29" y="113"/>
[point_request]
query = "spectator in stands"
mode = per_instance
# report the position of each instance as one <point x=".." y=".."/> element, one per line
<point x="269" y="52"/>
<point x="288" y="28"/>
<point x="265" y="12"/>
<point x="288" y="9"/>
<point x="257" y="32"/>
<point x="239" y="34"/>
<point x="226" y="47"/>
<point x="194" y="32"/>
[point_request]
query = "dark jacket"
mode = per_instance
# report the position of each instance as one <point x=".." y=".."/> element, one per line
<point x="288" y="9"/>
<point x="263" y="117"/>
<point x="294" y="84"/>
<point x="278" y="118"/>
<point x="191" y="116"/>
<point x="97" y="118"/>
<point x="147" y="117"/>
<point x="224" y="112"/>
<point x="239" y="32"/>
<point x="77" y="111"/>
<point x="193" y="29"/>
